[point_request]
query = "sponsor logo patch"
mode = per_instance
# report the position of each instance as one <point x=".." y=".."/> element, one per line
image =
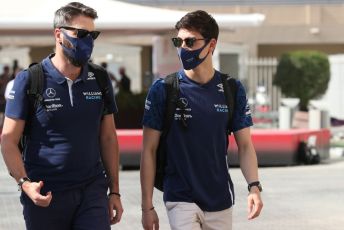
<point x="221" y="108"/>
<point x="90" y="76"/>
<point x="96" y="95"/>
<point x="220" y="86"/>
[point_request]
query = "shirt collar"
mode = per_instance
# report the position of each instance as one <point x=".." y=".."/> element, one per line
<point x="213" y="81"/>
<point x="57" y="75"/>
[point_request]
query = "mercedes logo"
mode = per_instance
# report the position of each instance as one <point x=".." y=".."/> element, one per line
<point x="50" y="92"/>
<point x="184" y="101"/>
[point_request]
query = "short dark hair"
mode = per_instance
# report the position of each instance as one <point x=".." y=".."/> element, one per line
<point x="201" y="22"/>
<point x="65" y="14"/>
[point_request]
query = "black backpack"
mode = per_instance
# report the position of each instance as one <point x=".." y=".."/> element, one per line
<point x="35" y="93"/>
<point x="172" y="102"/>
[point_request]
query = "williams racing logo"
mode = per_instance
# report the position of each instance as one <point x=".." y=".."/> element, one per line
<point x="93" y="95"/>
<point x="221" y="108"/>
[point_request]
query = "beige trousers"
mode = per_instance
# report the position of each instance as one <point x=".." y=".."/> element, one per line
<point x="188" y="216"/>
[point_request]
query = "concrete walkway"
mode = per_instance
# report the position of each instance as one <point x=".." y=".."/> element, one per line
<point x="295" y="198"/>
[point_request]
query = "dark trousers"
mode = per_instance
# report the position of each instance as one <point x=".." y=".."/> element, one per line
<point x="83" y="208"/>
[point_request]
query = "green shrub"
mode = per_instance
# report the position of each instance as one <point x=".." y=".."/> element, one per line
<point x="304" y="75"/>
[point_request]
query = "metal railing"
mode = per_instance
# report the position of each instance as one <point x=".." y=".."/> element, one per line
<point x="260" y="74"/>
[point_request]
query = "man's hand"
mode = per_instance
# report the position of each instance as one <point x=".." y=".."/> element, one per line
<point x="150" y="220"/>
<point x="115" y="204"/>
<point x="255" y="203"/>
<point x="33" y="190"/>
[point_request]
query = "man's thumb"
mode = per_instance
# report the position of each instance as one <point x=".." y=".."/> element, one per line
<point x="40" y="183"/>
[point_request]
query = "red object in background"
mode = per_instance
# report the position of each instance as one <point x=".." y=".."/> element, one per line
<point x="280" y="147"/>
<point x="273" y="146"/>
<point x="130" y="140"/>
<point x="263" y="108"/>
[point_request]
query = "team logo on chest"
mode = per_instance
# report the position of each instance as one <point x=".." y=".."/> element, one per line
<point x="92" y="95"/>
<point x="221" y="108"/>
<point x="183" y="112"/>
<point x="50" y="92"/>
<point x="90" y="76"/>
<point x="184" y="102"/>
<point x="52" y="102"/>
<point x="220" y="86"/>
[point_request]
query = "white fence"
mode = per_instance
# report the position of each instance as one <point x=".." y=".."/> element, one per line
<point x="260" y="73"/>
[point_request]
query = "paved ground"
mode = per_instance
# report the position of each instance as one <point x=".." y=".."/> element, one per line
<point x="295" y="198"/>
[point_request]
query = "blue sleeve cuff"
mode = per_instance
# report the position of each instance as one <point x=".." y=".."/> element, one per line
<point x="155" y="105"/>
<point x="242" y="114"/>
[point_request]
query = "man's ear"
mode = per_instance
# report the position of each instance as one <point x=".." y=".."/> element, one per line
<point x="213" y="43"/>
<point x="58" y="35"/>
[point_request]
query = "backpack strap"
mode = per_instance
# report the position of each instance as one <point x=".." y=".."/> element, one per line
<point x="35" y="97"/>
<point x="35" y="90"/>
<point x="172" y="95"/>
<point x="102" y="78"/>
<point x="230" y="91"/>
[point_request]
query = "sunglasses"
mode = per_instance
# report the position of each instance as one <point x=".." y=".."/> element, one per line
<point x="81" y="33"/>
<point x="189" y="42"/>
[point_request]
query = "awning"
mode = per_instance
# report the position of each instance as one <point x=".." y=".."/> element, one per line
<point x="113" y="15"/>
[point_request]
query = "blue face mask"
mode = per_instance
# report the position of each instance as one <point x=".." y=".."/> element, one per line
<point x="81" y="51"/>
<point x="190" y="58"/>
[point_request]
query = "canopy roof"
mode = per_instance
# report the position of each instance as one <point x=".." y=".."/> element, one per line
<point x="113" y="15"/>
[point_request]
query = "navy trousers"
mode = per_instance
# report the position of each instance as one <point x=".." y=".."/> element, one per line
<point x="83" y="208"/>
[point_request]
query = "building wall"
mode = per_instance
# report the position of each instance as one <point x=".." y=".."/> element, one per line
<point x="277" y="49"/>
<point x="146" y="63"/>
<point x="285" y="28"/>
<point x="232" y="2"/>
<point x="37" y="54"/>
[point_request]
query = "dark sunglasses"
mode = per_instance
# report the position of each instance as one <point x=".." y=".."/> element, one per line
<point x="81" y="33"/>
<point x="189" y="42"/>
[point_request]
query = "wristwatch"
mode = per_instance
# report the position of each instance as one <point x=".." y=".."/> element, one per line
<point x="21" y="182"/>
<point x="257" y="184"/>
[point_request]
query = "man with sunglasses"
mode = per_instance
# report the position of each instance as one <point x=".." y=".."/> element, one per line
<point x="198" y="190"/>
<point x="70" y="159"/>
